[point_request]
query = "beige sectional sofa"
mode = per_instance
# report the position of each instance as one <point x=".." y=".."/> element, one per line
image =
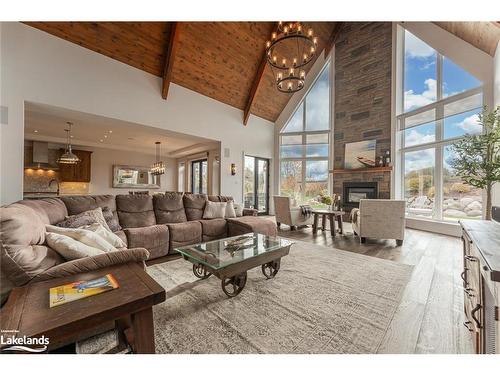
<point x="151" y="227"/>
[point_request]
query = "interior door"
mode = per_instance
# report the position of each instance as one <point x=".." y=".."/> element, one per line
<point x="256" y="184"/>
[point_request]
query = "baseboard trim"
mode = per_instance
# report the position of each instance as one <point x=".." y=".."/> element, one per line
<point x="449" y="229"/>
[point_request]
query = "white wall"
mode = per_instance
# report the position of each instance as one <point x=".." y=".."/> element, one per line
<point x="40" y="68"/>
<point x="102" y="170"/>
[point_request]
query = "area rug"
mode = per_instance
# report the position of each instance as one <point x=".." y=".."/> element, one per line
<point x="323" y="300"/>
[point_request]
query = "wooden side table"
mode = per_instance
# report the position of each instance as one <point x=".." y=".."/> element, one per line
<point x="333" y="216"/>
<point x="129" y="308"/>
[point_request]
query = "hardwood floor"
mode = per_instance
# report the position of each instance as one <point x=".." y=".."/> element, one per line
<point x="430" y="317"/>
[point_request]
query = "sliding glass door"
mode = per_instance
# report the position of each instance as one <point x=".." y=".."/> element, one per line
<point x="256" y="184"/>
<point x="199" y="176"/>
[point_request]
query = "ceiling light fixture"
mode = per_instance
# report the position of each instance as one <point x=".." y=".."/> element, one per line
<point x="158" y="168"/>
<point x="290" y="49"/>
<point x="68" y="157"/>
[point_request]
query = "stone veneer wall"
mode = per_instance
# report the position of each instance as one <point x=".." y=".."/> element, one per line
<point x="363" y="56"/>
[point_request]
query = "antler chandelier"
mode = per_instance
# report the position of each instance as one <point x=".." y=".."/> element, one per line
<point x="290" y="49"/>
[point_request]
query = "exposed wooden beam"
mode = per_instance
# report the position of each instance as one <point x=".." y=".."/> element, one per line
<point x="333" y="37"/>
<point x="169" y="58"/>
<point x="255" y="85"/>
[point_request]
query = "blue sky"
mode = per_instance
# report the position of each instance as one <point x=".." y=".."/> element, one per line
<point x="420" y="87"/>
<point x="420" y="81"/>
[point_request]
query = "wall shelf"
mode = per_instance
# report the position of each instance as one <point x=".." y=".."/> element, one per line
<point x="362" y="170"/>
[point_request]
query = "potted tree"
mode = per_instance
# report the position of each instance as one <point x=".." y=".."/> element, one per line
<point x="477" y="159"/>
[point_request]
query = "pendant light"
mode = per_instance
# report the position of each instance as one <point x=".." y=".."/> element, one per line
<point x="68" y="157"/>
<point x="158" y="168"/>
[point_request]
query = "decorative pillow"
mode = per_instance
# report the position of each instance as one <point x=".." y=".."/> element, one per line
<point x="105" y="234"/>
<point x="76" y="221"/>
<point x="96" y="214"/>
<point x="111" y="220"/>
<point x="214" y="210"/>
<point x="230" y="212"/>
<point x="84" y="236"/>
<point x="69" y="248"/>
<point x="238" y="209"/>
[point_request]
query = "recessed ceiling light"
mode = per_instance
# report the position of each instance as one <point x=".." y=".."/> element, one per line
<point x="105" y="136"/>
<point x="111" y="131"/>
<point x="36" y="131"/>
<point x="72" y="136"/>
<point x="100" y="140"/>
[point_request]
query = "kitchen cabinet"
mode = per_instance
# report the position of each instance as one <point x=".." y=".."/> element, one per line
<point x="79" y="172"/>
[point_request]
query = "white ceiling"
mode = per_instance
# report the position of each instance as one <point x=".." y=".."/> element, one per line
<point x="47" y="123"/>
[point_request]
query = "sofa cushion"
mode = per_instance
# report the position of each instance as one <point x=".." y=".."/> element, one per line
<point x="22" y="235"/>
<point x="86" y="237"/>
<point x="213" y="198"/>
<point x="182" y="234"/>
<point x="95" y="214"/>
<point x="111" y="219"/>
<point x="122" y="236"/>
<point x="77" y="221"/>
<point x="154" y="238"/>
<point x="52" y="210"/>
<point x="230" y="211"/>
<point x="248" y="224"/>
<point x="238" y="209"/>
<point x="214" y="210"/>
<point x="169" y="208"/>
<point x="213" y="229"/>
<point x="135" y="211"/>
<point x="69" y="248"/>
<point x="226" y="198"/>
<point x="80" y="203"/>
<point x="194" y="204"/>
<point x="97" y="262"/>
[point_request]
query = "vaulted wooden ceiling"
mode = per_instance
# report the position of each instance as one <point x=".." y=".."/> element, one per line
<point x="222" y="60"/>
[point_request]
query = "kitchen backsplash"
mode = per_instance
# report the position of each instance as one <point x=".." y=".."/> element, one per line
<point x="37" y="181"/>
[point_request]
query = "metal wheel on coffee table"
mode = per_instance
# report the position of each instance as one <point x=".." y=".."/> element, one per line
<point x="233" y="286"/>
<point x="271" y="269"/>
<point x="200" y="271"/>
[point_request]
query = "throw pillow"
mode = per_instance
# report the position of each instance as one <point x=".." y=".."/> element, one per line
<point x="96" y="214"/>
<point x="214" y="210"/>
<point x="238" y="209"/>
<point x="76" y="221"/>
<point x="84" y="236"/>
<point x="108" y="236"/>
<point x="111" y="220"/>
<point x="230" y="212"/>
<point x="69" y="248"/>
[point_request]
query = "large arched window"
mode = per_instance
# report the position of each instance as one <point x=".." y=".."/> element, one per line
<point x="440" y="104"/>
<point x="305" y="145"/>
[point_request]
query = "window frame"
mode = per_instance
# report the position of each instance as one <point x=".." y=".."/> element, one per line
<point x="440" y="143"/>
<point x="304" y="133"/>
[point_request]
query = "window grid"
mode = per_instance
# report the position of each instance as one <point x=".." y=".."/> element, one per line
<point x="440" y="142"/>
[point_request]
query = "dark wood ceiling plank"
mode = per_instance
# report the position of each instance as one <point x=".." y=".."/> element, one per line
<point x="255" y="85"/>
<point x="169" y="57"/>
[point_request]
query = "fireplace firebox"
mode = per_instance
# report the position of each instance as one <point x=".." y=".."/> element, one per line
<point x="354" y="191"/>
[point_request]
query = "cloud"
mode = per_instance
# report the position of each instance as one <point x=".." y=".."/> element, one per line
<point x="417" y="160"/>
<point x="414" y="47"/>
<point x="414" y="137"/>
<point x="470" y="125"/>
<point x="414" y="100"/>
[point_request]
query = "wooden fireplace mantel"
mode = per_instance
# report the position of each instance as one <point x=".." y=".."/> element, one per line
<point x="361" y="170"/>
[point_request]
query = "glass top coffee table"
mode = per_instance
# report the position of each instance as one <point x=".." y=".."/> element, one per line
<point x="230" y="258"/>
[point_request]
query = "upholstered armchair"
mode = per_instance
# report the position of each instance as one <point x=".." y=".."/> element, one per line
<point x="291" y="216"/>
<point x="379" y="218"/>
